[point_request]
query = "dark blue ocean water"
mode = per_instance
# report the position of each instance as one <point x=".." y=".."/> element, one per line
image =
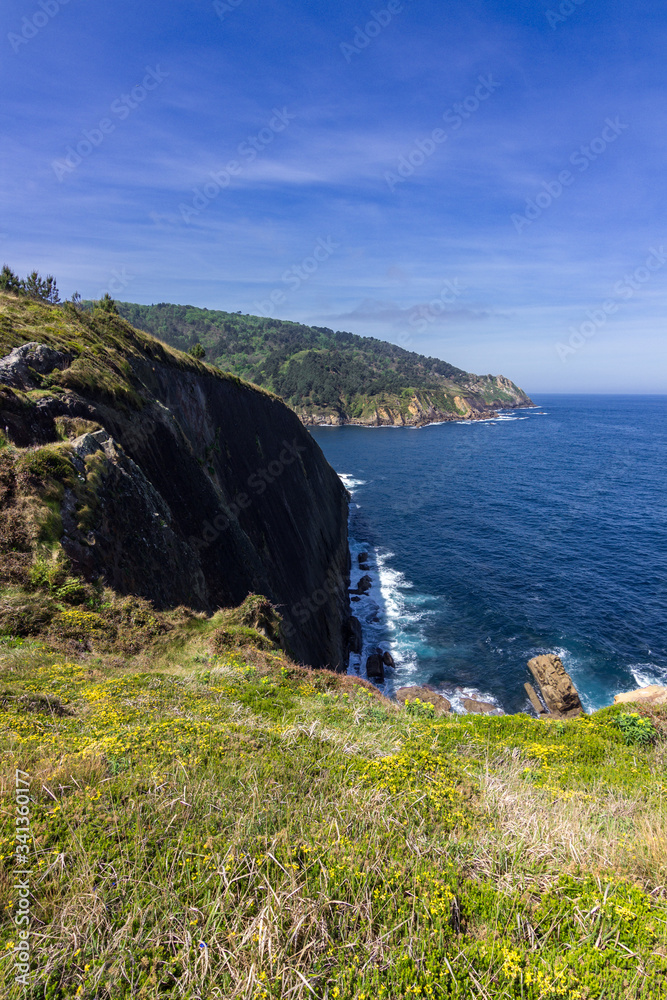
<point x="544" y="530"/>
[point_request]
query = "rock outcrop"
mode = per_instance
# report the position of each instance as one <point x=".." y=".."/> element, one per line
<point x="375" y="668"/>
<point x="559" y="693"/>
<point x="23" y="365"/>
<point x="534" y="698"/>
<point x="388" y="659"/>
<point x="200" y="488"/>
<point x="476" y="707"/>
<point x="354" y="635"/>
<point x="405" y="695"/>
<point x="654" y="694"/>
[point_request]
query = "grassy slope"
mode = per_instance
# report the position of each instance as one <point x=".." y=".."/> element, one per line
<point x="316" y="370"/>
<point x="102" y="346"/>
<point x="233" y="826"/>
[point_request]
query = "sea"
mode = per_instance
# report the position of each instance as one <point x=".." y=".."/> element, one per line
<point x="541" y="530"/>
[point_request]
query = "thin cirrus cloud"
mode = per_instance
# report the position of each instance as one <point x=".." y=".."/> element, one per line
<point x="357" y="165"/>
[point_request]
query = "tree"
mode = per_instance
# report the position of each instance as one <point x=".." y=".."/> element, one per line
<point x="197" y="351"/>
<point x="9" y="282"/>
<point x="41" y="289"/>
<point x="107" y="304"/>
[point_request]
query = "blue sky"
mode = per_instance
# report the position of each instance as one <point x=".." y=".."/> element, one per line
<point x="478" y="181"/>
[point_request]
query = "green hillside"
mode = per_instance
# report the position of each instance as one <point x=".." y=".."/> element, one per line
<point x="328" y="376"/>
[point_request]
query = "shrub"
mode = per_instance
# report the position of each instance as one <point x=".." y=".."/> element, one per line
<point x="238" y="637"/>
<point x="22" y="615"/>
<point x="422" y="709"/>
<point x="82" y="626"/>
<point x="636" y="729"/>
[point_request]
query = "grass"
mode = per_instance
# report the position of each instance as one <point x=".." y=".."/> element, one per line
<point x="108" y="359"/>
<point x="231" y="825"/>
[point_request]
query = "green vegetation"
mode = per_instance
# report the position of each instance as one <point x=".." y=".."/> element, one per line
<point x="319" y="372"/>
<point x="228" y="824"/>
<point x="103" y="350"/>
<point x="636" y="729"/>
<point x="210" y="820"/>
<point x="33" y="286"/>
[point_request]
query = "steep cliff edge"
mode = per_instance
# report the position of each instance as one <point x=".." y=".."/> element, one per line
<point x="165" y="477"/>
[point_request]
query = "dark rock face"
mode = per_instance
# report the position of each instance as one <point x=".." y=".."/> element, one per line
<point x="388" y="659"/>
<point x="375" y="668"/>
<point x="363" y="558"/>
<point x="353" y="635"/>
<point x="210" y="491"/>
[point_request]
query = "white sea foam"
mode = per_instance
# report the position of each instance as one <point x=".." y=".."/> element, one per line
<point x="458" y="695"/>
<point x="390" y="613"/>
<point x="349" y="482"/>
<point x="646" y="674"/>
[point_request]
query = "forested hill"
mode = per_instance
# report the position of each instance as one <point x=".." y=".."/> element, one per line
<point x="327" y="376"/>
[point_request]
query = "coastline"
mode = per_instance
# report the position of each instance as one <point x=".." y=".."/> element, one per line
<point x="474" y="416"/>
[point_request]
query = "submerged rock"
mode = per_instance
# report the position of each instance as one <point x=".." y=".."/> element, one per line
<point x="405" y="695"/>
<point x="559" y="693"/>
<point x="654" y="694"/>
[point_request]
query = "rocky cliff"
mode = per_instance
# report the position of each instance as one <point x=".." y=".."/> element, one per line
<point x="173" y="481"/>
<point x="473" y="398"/>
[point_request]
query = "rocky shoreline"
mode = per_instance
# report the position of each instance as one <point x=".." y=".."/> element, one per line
<point x="388" y="417"/>
<point x="555" y="696"/>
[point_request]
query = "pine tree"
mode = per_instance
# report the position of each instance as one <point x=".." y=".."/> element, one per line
<point x="41" y="289"/>
<point x="107" y="304"/>
<point x="9" y="282"/>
